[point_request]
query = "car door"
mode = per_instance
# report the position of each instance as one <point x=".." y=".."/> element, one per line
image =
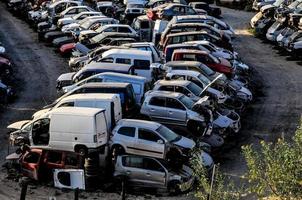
<point x="133" y="168"/>
<point x="155" y="174"/>
<point x="125" y="135"/>
<point x="150" y="143"/>
<point x="176" y="112"/>
<point x="30" y="164"/>
<point x="157" y="109"/>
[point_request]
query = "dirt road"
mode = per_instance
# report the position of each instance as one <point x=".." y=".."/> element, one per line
<point x="276" y="110"/>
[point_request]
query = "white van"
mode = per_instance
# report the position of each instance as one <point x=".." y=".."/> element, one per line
<point x="70" y="129"/>
<point x="139" y="84"/>
<point x="141" y="60"/>
<point x="110" y="102"/>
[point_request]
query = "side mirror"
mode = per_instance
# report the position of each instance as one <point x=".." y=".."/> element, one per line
<point x="160" y="141"/>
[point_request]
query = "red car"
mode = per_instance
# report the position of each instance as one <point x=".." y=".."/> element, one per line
<point x="217" y="64"/>
<point x="38" y="164"/>
<point x="66" y="49"/>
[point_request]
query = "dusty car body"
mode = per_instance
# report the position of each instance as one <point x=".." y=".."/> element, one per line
<point x="38" y="164"/>
<point x="158" y="175"/>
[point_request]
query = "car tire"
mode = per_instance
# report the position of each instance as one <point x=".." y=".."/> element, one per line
<point x="82" y="150"/>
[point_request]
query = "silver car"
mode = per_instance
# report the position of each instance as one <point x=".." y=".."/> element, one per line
<point x="152" y="139"/>
<point x="223" y="118"/>
<point x="148" y="172"/>
<point x="176" y="109"/>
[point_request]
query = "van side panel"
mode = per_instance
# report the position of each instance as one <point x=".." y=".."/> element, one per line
<point x="68" y="130"/>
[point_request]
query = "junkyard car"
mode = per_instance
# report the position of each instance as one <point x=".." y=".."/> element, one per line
<point x="152" y="173"/>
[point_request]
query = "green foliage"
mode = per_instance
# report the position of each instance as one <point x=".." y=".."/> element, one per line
<point x="223" y="187"/>
<point x="276" y="169"/>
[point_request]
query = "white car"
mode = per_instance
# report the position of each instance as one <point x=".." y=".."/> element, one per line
<point x="151" y="139"/>
<point x="68" y="20"/>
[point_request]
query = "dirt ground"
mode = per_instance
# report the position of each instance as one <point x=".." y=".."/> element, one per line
<point x="276" y="110"/>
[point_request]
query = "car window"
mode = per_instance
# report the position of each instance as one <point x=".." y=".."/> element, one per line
<point x="111" y="29"/>
<point x="157" y="101"/>
<point x="54" y="157"/>
<point x="190" y="11"/>
<point x="175" y="104"/>
<point x="32" y="157"/>
<point x="82" y="10"/>
<point x="124" y="30"/>
<point x="178" y="77"/>
<point x="166" y="88"/>
<point x="127" y="131"/>
<point x="148" y="135"/>
<point x="123" y="61"/>
<point x="40" y="131"/>
<point x="67" y="104"/>
<point x="94" y="80"/>
<point x="151" y="164"/>
<point x="136" y="162"/>
<point x="141" y="64"/>
<point x="72" y="11"/>
<point x="182" y="90"/>
<point x="108" y="60"/>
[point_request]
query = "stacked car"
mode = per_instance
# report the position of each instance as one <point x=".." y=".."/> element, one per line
<point x="280" y="23"/>
<point x="146" y="90"/>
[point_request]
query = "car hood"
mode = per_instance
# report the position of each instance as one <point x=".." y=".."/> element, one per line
<point x="245" y="91"/>
<point x="225" y="62"/>
<point x="4" y="61"/>
<point x="40" y="113"/>
<point x="70" y="27"/>
<point x="18" y="125"/>
<point x="185" y="143"/>
<point x="222" y="121"/>
<point x="66" y="76"/>
<point x="65" y="20"/>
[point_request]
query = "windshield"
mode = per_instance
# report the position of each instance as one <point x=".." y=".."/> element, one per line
<point x="208" y="70"/>
<point x="168" y="134"/>
<point x="189" y="103"/>
<point x="85" y="25"/>
<point x="278" y="3"/>
<point x="204" y="79"/>
<point x="97" y="38"/>
<point x="194" y="89"/>
<point x="294" y="4"/>
<point x="216" y="60"/>
<point x="76" y="16"/>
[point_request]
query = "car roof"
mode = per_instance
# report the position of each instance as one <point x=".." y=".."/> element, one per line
<point x="90" y="96"/>
<point x="119" y="75"/>
<point x="58" y="2"/>
<point x="190" y="51"/>
<point x="139" y="44"/>
<point x="201" y="42"/>
<point x="105" y="65"/>
<point x="187" y="33"/>
<point x="133" y="52"/>
<point x="185" y="72"/>
<point x="183" y="63"/>
<point x="76" y="111"/>
<point x="139" y="123"/>
<point x="173" y="82"/>
<point x="104" y="85"/>
<point x="165" y="94"/>
<point x="189" y="24"/>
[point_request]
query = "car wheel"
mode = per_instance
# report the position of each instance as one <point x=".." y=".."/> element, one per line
<point x="82" y="150"/>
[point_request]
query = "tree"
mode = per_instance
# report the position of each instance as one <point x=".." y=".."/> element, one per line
<point x="275" y="169"/>
<point x="222" y="188"/>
